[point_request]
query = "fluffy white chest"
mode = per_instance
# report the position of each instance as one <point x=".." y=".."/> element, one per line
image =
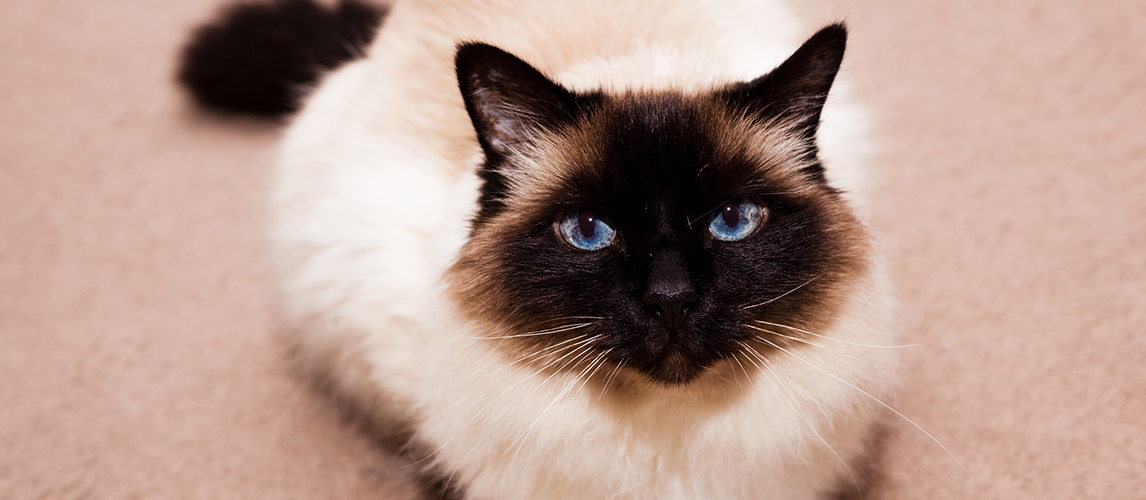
<point x="789" y="432"/>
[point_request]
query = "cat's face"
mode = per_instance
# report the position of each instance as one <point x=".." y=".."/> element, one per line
<point x="659" y="232"/>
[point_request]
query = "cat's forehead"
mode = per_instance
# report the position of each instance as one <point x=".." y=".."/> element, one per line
<point x="645" y="147"/>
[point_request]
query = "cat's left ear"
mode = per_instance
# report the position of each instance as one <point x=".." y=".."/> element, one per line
<point x="794" y="93"/>
<point x="508" y="100"/>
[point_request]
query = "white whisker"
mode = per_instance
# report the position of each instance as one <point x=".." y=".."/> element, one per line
<point x="560" y="346"/>
<point x="877" y="400"/>
<point x="609" y="379"/>
<point x="534" y="374"/>
<point x="550" y="331"/>
<point x="785" y="294"/>
<point x="741" y="365"/>
<point x="806" y="341"/>
<point x="600" y="358"/>
<point x="842" y="341"/>
<point x="525" y="435"/>
<point x="777" y="382"/>
<point x="813" y="344"/>
<point x="580" y="348"/>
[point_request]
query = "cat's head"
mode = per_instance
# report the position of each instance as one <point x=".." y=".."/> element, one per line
<point x="660" y="231"/>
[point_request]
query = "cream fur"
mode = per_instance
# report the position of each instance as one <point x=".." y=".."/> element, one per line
<point x="375" y="185"/>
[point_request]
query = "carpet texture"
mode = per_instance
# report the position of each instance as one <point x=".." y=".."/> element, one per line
<point x="138" y="356"/>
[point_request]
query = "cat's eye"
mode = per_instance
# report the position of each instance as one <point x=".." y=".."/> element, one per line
<point x="736" y="220"/>
<point x="586" y="231"/>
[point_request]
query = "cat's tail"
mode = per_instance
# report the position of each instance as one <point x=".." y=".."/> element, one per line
<point x="262" y="58"/>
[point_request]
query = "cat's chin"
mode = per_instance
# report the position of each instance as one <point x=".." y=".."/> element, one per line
<point x="674" y="369"/>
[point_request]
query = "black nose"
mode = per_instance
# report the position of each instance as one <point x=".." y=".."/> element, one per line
<point x="671" y="308"/>
<point x="669" y="293"/>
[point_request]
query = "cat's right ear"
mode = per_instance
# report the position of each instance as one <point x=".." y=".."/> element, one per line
<point x="794" y="92"/>
<point x="508" y="100"/>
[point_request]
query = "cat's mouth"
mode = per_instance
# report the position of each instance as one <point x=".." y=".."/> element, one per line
<point x="674" y="368"/>
<point x="671" y="352"/>
<point x="671" y="366"/>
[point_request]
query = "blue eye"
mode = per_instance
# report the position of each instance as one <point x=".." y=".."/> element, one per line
<point x="737" y="220"/>
<point x="585" y="231"/>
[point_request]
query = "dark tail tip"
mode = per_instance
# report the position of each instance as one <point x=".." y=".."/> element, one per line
<point x="259" y="58"/>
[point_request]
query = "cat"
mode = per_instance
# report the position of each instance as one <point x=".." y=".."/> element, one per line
<point x="584" y="249"/>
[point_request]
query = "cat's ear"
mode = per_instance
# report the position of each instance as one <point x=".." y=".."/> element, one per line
<point x="794" y="92"/>
<point x="507" y="99"/>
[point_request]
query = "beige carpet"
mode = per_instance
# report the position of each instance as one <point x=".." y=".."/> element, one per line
<point x="137" y="348"/>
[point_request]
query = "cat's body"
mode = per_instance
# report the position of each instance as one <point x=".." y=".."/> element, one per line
<point x="398" y="283"/>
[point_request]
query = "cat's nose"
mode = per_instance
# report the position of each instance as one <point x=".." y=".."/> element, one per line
<point x="669" y="293"/>
<point x="671" y="308"/>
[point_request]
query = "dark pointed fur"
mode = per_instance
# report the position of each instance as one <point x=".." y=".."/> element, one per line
<point x="795" y="92"/>
<point x="259" y="58"/>
<point x="656" y="165"/>
<point x="509" y="102"/>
